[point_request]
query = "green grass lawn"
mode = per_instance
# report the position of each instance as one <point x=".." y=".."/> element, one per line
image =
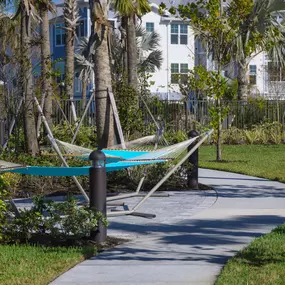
<point x="266" y="161"/>
<point x="35" y="265"/>
<point x="262" y="262"/>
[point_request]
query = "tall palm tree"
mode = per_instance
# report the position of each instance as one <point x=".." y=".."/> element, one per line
<point x="28" y="14"/>
<point x="71" y="16"/>
<point x="130" y="10"/>
<point x="26" y="10"/>
<point x="84" y="64"/>
<point x="46" y="6"/>
<point x="104" y="115"/>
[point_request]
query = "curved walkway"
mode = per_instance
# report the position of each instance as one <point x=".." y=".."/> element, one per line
<point x="192" y="237"/>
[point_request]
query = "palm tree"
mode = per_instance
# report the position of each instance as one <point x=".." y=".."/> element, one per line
<point x="130" y="10"/>
<point x="258" y="31"/>
<point x="44" y="7"/>
<point x="26" y="9"/>
<point x="84" y="64"/>
<point x="71" y="16"/>
<point x="104" y="115"/>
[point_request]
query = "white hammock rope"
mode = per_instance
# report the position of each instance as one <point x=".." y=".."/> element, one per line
<point x="165" y="153"/>
<point x="5" y="165"/>
<point x="144" y="143"/>
<point x="169" y="152"/>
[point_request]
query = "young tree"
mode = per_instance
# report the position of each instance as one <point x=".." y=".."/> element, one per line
<point x="211" y="26"/>
<point x="254" y="24"/>
<point x="103" y="80"/>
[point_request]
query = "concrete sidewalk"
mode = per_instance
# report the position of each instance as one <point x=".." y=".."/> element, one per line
<point x="191" y="239"/>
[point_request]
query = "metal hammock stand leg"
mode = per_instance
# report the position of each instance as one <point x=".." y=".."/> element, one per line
<point x="11" y="127"/>
<point x="57" y="150"/>
<point x="82" y="118"/>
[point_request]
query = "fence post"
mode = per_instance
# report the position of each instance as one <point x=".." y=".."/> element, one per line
<point x="192" y="175"/>
<point x="98" y="192"/>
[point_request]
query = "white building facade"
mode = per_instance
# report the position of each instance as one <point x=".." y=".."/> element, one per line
<point x="180" y="51"/>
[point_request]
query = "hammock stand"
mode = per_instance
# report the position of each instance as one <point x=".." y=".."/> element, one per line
<point x="133" y="211"/>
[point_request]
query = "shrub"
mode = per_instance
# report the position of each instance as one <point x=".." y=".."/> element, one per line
<point x="233" y="135"/>
<point x="86" y="136"/>
<point x="59" y="222"/>
<point x="175" y="137"/>
<point x="3" y="205"/>
<point x="127" y="103"/>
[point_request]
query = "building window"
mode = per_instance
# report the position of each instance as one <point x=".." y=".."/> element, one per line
<point x="179" y="34"/>
<point x="174" y="73"/>
<point x="149" y="27"/>
<point x="183" y="72"/>
<point x="174" y="34"/>
<point x="179" y="75"/>
<point x="80" y="29"/>
<point x="184" y="34"/>
<point x="59" y="35"/>
<point x="252" y="74"/>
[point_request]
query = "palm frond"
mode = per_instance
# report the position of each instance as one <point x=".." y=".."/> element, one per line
<point x="152" y="62"/>
<point x="71" y="14"/>
<point x="132" y="7"/>
<point x="83" y="59"/>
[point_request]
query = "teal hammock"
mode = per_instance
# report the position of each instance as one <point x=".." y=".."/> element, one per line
<point x="115" y="160"/>
<point x="77" y="171"/>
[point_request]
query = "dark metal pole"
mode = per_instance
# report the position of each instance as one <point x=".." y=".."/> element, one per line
<point x="192" y="175"/>
<point x="98" y="192"/>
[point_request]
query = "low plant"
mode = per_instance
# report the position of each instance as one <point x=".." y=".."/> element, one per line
<point x="175" y="137"/>
<point x="233" y="135"/>
<point x="58" y="222"/>
<point x="3" y="206"/>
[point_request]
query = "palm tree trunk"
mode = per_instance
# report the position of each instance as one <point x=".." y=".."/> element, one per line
<point x="124" y="42"/>
<point x="27" y="88"/>
<point x="70" y="10"/>
<point x="46" y="66"/>
<point x="132" y="52"/>
<point x="242" y="79"/>
<point x="104" y="115"/>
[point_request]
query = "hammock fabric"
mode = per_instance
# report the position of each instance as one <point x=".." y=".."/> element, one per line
<point x="76" y="171"/>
